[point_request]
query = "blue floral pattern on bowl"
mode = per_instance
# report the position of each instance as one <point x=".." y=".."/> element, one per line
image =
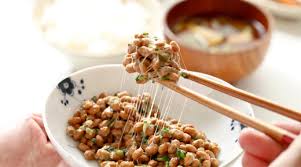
<point x="69" y="87"/>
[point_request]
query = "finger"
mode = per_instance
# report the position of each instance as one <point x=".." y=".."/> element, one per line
<point x="36" y="131"/>
<point x="249" y="160"/>
<point x="51" y="152"/>
<point x="63" y="164"/>
<point x="257" y="143"/>
<point x="39" y="121"/>
<point x="294" y="127"/>
<point x="37" y="114"/>
<point x="291" y="156"/>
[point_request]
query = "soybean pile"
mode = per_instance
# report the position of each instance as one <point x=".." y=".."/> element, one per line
<point x="127" y="131"/>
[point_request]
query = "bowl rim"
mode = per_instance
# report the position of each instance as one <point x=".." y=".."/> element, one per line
<point x="282" y="5"/>
<point x="65" y="154"/>
<point x="250" y="45"/>
<point x="280" y="9"/>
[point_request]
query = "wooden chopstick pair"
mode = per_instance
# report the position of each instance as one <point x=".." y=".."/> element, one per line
<point x="280" y="135"/>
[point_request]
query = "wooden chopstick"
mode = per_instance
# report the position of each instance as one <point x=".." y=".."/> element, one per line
<point x="243" y="95"/>
<point x="280" y="135"/>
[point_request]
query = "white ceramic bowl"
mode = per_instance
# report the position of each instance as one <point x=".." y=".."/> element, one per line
<point x="86" y="83"/>
<point x="81" y="58"/>
<point x="278" y="9"/>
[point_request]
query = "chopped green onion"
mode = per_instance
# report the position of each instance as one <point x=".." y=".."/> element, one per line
<point x="144" y="139"/>
<point x="166" y="163"/>
<point x="94" y="98"/>
<point x="164" y="78"/>
<point x="151" y="45"/>
<point x="109" y="148"/>
<point x="83" y="127"/>
<point x="164" y="158"/>
<point x="184" y="74"/>
<point x="161" y="137"/>
<point x="145" y="33"/>
<point x="93" y="140"/>
<point x="140" y="78"/>
<point x="165" y="130"/>
<point x="90" y="131"/>
<point x="181" y="154"/>
<point x="111" y="122"/>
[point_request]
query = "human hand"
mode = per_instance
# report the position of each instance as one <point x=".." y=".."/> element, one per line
<point x="262" y="151"/>
<point x="28" y="146"/>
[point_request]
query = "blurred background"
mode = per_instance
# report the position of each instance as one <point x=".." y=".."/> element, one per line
<point x="44" y="40"/>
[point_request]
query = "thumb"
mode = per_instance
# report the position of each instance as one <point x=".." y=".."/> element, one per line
<point x="291" y="156"/>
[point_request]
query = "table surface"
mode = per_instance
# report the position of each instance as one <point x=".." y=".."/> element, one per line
<point x="30" y="68"/>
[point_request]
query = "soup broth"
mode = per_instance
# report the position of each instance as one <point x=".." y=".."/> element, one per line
<point x="217" y="32"/>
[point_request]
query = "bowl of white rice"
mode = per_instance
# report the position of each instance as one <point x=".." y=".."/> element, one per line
<point x="92" y="32"/>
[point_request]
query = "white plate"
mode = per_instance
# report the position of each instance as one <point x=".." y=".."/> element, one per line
<point x="91" y="81"/>
<point x="279" y="9"/>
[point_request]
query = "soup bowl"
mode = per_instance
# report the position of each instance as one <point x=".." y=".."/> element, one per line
<point x="231" y="65"/>
<point x="71" y="91"/>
